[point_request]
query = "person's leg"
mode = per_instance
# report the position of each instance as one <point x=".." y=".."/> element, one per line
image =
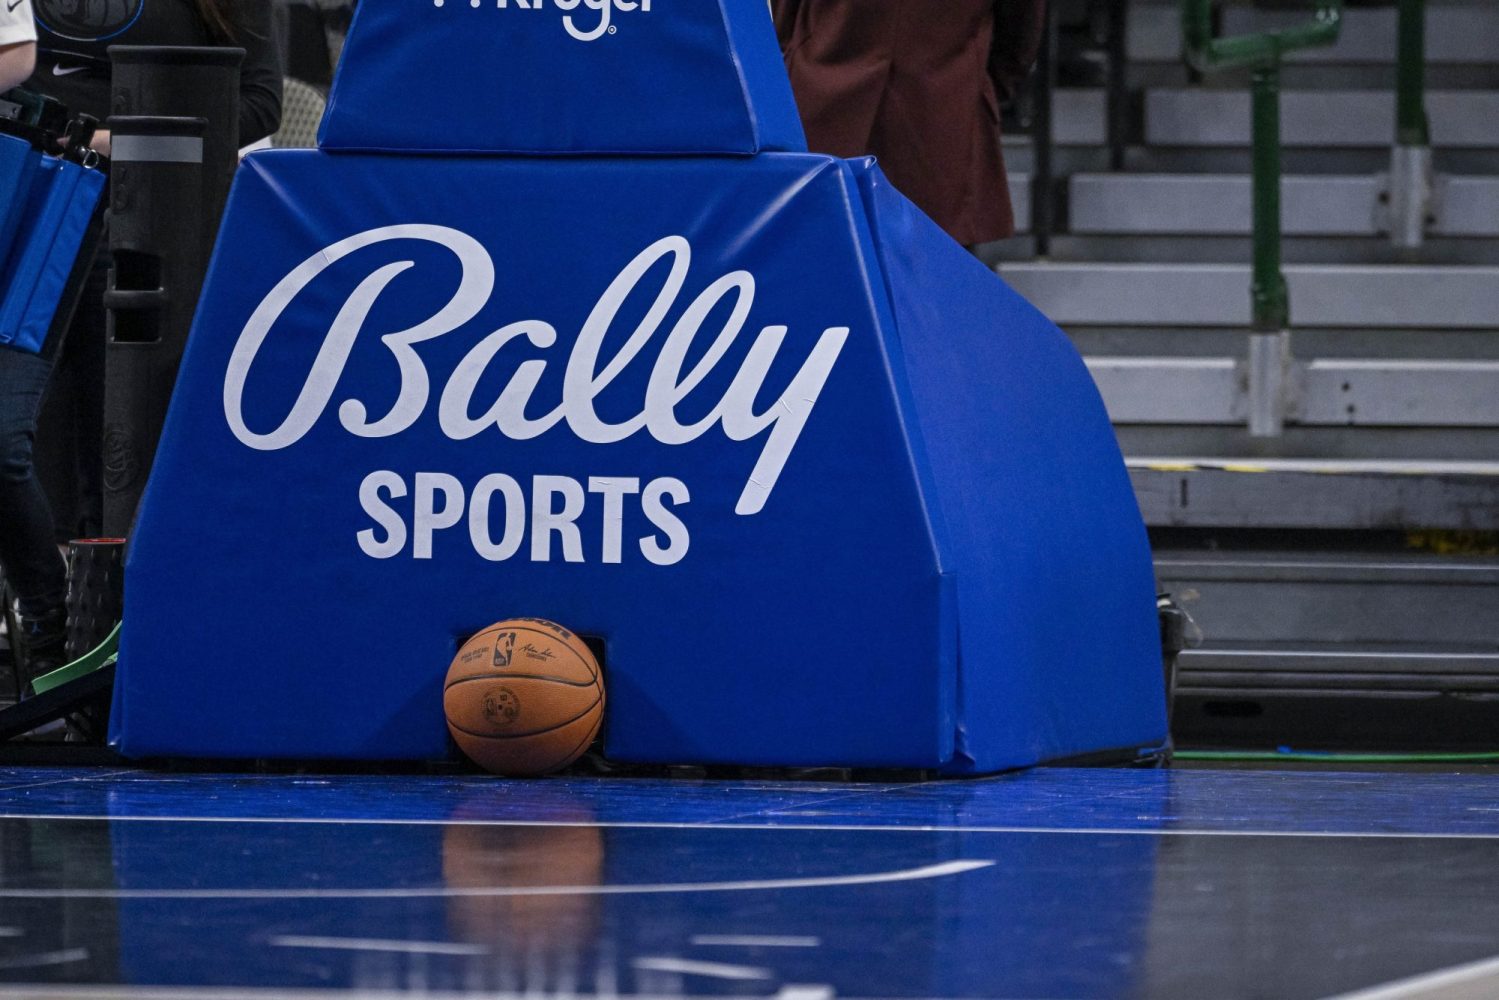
<point x="70" y="427"/>
<point x="35" y="569"/>
<point x="84" y="354"/>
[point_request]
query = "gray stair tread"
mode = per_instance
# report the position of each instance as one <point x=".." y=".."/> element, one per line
<point x="1318" y="494"/>
<point x="1439" y="609"/>
<point x="1316" y="466"/>
<point x="1311" y="205"/>
<point x="1400" y="670"/>
<point x="1329" y="392"/>
<point x="1322" y="119"/>
<point x="1465" y="33"/>
<point x="1335" y="391"/>
<point x="1334" y="296"/>
<point x="1220" y="204"/>
<point x="1467" y="206"/>
<point x="1425" y="671"/>
<point x="1279" y="566"/>
<point x="1451" y="666"/>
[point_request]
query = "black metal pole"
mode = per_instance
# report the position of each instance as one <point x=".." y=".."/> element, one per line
<point x="155" y="237"/>
<point x="1042" y="214"/>
<point x="175" y="147"/>
<point x="188" y="82"/>
<point x="1118" y="84"/>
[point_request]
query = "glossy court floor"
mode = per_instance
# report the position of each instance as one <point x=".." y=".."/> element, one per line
<point x="1058" y="884"/>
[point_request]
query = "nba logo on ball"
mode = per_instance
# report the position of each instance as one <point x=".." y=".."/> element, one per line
<point x="504" y="646"/>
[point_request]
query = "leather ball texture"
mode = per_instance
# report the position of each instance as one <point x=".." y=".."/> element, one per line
<point x="524" y="697"/>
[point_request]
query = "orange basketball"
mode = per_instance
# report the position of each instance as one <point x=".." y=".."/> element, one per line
<point x="524" y="697"/>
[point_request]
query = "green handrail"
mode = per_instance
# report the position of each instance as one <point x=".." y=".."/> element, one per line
<point x="1411" y="128"/>
<point x="1206" y="53"/>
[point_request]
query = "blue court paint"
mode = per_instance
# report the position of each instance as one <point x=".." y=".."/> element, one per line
<point x="1231" y="802"/>
<point x="477" y="885"/>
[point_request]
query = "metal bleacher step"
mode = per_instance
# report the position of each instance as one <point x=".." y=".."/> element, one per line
<point x="1337" y="646"/>
<point x="1352" y="390"/>
<point x="1217" y="295"/>
<point x="1192" y="117"/>
<point x="1357" y="600"/>
<point x="1314" y="205"/>
<point x="1462" y="33"/>
<point x="1317" y="494"/>
<point x="1326" y="392"/>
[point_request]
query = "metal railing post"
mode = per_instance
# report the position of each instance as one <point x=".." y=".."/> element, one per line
<point x="1118" y="88"/>
<point x="1043" y="219"/>
<point x="1270" y="334"/>
<point x="1411" y="128"/>
<point x="1267" y="373"/>
<point x="1411" y="176"/>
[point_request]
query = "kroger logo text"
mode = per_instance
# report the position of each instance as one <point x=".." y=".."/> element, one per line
<point x="604" y="10"/>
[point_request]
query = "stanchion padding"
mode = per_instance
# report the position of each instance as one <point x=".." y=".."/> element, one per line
<point x="826" y="489"/>
<point x="562" y="76"/>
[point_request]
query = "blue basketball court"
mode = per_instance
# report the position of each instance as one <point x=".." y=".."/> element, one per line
<point x="1057" y="883"/>
<point x="852" y="526"/>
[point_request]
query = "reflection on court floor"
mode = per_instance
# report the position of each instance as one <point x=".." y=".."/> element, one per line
<point x="1057" y="883"/>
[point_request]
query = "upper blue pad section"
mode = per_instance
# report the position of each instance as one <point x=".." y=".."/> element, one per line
<point x="562" y="76"/>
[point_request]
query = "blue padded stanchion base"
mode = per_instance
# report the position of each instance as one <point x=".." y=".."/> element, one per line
<point x="731" y="425"/>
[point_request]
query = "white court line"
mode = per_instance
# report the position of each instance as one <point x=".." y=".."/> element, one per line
<point x="789" y="992"/>
<point x="1460" y="982"/>
<point x="60" y="781"/>
<point x="450" y="892"/>
<point x="805" y="991"/>
<point x="777" y="827"/>
<point x="11" y="932"/>
<point x="756" y="940"/>
<point x="713" y="970"/>
<point x="46" y="958"/>
<point x="378" y="944"/>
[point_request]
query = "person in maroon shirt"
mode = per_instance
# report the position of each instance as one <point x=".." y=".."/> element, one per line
<point x="919" y="84"/>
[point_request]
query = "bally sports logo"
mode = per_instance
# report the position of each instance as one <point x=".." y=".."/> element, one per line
<point x="555" y="502"/>
<point x="604" y="11"/>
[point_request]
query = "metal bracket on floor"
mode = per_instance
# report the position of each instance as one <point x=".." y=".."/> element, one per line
<point x="61" y="692"/>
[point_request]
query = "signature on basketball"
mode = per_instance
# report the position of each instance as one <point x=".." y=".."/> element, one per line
<point x="538" y="654"/>
<point x="467" y="405"/>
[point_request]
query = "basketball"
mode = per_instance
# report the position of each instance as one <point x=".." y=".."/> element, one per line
<point x="524" y="697"/>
